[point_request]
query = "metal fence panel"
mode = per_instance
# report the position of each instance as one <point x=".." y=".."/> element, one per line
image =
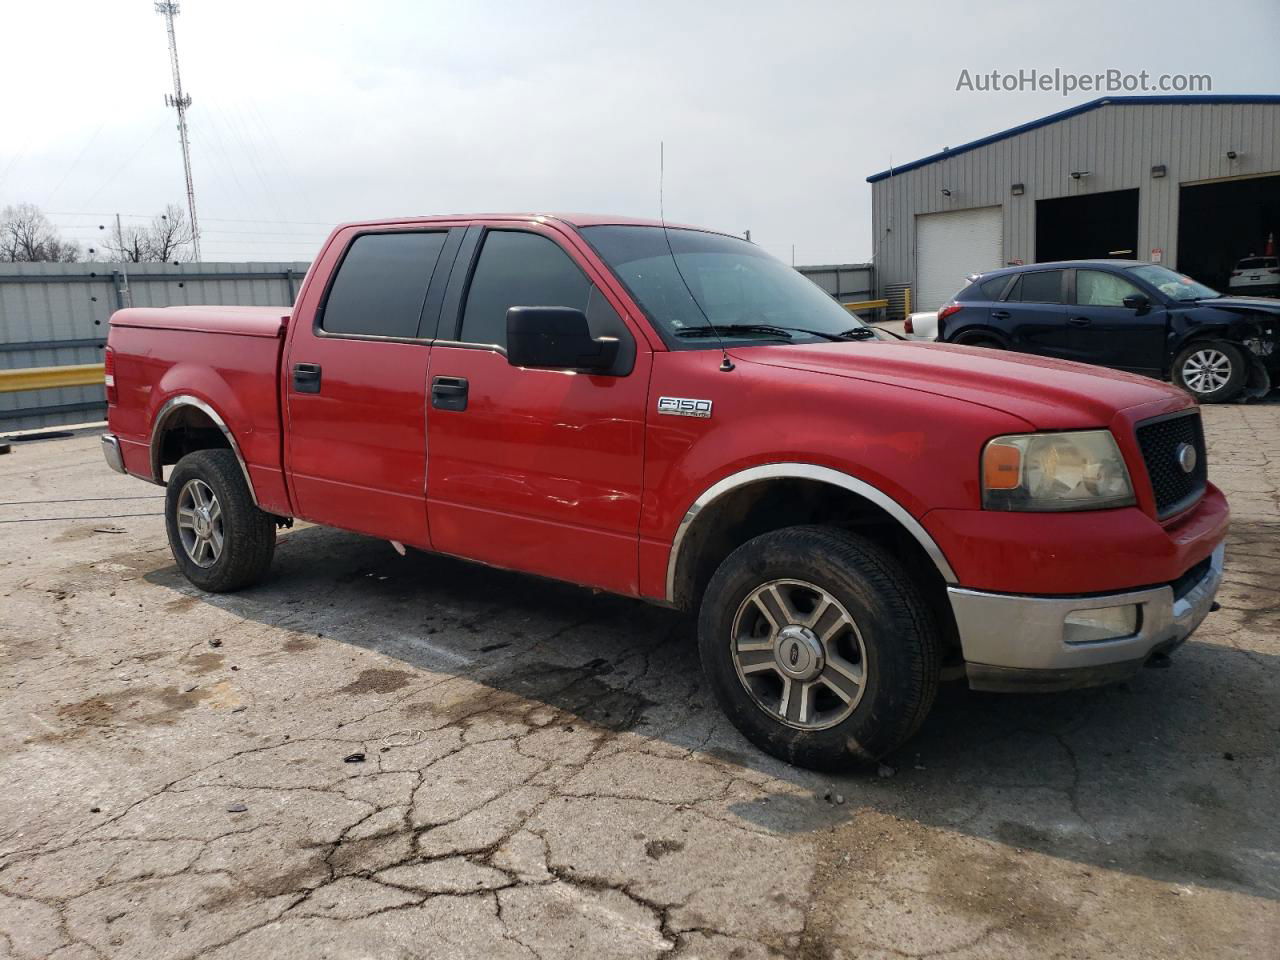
<point x="847" y="282"/>
<point x="52" y="314"/>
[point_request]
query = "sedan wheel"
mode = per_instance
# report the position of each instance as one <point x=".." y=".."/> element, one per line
<point x="1207" y="370"/>
<point x="1213" y="371"/>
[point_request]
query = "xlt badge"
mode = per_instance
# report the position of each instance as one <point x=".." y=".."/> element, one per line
<point x="685" y="407"/>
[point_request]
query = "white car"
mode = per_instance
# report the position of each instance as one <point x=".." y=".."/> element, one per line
<point x="921" y="326"/>
<point x="1258" y="276"/>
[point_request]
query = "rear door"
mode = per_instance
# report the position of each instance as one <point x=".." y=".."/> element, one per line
<point x="355" y="371"/>
<point x="1034" y="314"/>
<point x="536" y="470"/>
<point x="1104" y="331"/>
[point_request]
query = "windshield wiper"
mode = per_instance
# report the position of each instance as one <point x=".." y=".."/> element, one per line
<point x="721" y="328"/>
<point x="857" y="333"/>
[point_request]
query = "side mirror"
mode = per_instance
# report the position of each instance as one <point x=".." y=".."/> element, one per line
<point x="1136" y="301"/>
<point x="556" y="338"/>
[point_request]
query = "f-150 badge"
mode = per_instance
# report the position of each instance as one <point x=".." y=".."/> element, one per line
<point x="685" y="407"/>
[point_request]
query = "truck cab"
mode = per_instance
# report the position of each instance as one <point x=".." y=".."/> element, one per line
<point x="668" y="413"/>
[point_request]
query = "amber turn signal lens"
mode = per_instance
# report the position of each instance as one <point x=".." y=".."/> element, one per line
<point x="1001" y="467"/>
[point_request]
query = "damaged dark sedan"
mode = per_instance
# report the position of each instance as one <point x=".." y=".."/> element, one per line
<point x="1126" y="314"/>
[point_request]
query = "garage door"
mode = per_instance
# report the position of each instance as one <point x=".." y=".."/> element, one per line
<point x="952" y="245"/>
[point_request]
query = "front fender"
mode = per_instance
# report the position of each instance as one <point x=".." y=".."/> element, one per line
<point x="916" y="450"/>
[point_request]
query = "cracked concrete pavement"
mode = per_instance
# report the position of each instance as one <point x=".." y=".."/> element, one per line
<point x="376" y="756"/>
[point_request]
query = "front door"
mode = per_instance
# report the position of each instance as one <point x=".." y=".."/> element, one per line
<point x="1106" y="332"/>
<point x="537" y="470"/>
<point x="355" y="372"/>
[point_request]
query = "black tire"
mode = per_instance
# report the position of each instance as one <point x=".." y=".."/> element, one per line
<point x="1192" y="366"/>
<point x="248" y="539"/>
<point x="901" y="644"/>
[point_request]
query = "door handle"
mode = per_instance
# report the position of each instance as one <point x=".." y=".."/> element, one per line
<point x="999" y="314"/>
<point x="449" y="393"/>
<point x="306" y="377"/>
<point x="1080" y="321"/>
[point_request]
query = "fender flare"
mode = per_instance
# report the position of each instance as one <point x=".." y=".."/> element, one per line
<point x="172" y="406"/>
<point x="805" y="471"/>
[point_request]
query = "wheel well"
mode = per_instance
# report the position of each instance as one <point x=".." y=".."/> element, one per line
<point x="184" y="431"/>
<point x="971" y="334"/>
<point x="752" y="509"/>
<point x="1211" y="335"/>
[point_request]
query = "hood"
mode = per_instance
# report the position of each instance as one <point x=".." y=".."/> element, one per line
<point x="1243" y="304"/>
<point x="1048" y="393"/>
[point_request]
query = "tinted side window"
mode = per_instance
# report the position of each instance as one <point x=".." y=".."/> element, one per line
<point x="518" y="270"/>
<point x="1044" y="286"/>
<point x="991" y="289"/>
<point x="381" y="284"/>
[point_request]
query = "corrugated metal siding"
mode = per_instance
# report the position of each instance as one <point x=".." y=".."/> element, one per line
<point x="847" y="282"/>
<point x="54" y="314"/>
<point x="1117" y="143"/>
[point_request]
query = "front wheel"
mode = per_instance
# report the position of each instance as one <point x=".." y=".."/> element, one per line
<point x="818" y="646"/>
<point x="220" y="540"/>
<point x="1212" y="371"/>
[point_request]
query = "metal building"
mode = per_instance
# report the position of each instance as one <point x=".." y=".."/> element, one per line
<point x="1189" y="181"/>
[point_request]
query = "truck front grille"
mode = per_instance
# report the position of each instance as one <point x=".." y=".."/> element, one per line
<point x="1162" y="441"/>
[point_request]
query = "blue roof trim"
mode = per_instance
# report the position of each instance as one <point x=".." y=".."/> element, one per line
<point x="1063" y="115"/>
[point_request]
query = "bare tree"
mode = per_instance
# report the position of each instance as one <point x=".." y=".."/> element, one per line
<point x="166" y="238"/>
<point x="127" y="245"/>
<point x="27" y="236"/>
<point x="170" y="235"/>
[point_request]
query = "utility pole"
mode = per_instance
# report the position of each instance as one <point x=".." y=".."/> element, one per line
<point x="124" y="270"/>
<point x="181" y="102"/>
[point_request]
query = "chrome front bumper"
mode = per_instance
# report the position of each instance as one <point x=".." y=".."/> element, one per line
<point x="111" y="453"/>
<point x="1019" y="642"/>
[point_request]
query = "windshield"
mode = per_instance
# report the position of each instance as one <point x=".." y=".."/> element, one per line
<point x="745" y="293"/>
<point x="1175" y="286"/>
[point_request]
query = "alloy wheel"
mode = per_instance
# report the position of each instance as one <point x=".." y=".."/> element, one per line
<point x="799" y="653"/>
<point x="1206" y="370"/>
<point x="200" y="523"/>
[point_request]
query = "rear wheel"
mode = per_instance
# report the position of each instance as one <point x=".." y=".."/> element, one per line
<point x="818" y="646"/>
<point x="220" y="540"/>
<point x="1211" y="370"/>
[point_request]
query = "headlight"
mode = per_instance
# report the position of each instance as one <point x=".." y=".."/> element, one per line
<point x="1081" y="470"/>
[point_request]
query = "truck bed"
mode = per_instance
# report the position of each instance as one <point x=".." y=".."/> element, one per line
<point x="228" y="358"/>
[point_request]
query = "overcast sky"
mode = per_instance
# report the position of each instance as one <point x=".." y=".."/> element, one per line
<point x="309" y="113"/>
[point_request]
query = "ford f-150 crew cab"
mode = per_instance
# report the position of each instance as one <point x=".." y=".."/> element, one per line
<point x="671" y="414"/>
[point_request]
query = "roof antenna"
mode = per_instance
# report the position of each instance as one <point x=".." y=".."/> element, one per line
<point x="726" y="365"/>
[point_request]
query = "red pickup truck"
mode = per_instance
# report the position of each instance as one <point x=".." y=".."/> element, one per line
<point x="669" y="413"/>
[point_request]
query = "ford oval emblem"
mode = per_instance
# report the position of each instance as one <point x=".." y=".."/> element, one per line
<point x="794" y="657"/>
<point x="1186" y="456"/>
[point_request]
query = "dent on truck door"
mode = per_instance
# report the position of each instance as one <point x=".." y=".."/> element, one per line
<point x="536" y="470"/>
<point x="355" y="379"/>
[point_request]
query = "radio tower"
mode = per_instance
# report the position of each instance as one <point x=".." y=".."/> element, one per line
<point x="181" y="102"/>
